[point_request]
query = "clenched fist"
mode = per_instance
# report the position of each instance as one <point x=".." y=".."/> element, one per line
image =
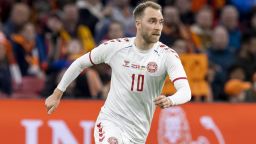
<point x="163" y="102"/>
<point x="52" y="102"/>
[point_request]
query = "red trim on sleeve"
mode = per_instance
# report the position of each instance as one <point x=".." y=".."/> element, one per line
<point x="179" y="79"/>
<point x="91" y="58"/>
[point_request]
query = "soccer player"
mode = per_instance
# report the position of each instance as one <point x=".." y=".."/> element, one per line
<point x="139" y="67"/>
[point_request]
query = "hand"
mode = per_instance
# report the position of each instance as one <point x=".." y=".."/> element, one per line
<point x="163" y="102"/>
<point x="53" y="101"/>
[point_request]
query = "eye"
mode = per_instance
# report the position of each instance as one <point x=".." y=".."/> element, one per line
<point x="151" y="21"/>
<point x="161" y="21"/>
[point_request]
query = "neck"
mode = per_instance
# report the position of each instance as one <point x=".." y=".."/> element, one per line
<point x="142" y="44"/>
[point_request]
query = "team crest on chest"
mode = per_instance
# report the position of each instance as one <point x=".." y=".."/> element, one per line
<point x="152" y="67"/>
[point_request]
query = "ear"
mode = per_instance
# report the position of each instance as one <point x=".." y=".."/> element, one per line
<point x="137" y="23"/>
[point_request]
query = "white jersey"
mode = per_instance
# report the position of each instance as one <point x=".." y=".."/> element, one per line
<point x="137" y="78"/>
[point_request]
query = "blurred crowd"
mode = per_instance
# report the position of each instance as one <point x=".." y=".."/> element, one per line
<point x="39" y="39"/>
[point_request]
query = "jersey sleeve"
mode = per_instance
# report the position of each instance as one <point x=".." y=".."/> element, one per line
<point x="174" y="66"/>
<point x="102" y="53"/>
<point x="73" y="71"/>
<point x="98" y="55"/>
<point x="178" y="76"/>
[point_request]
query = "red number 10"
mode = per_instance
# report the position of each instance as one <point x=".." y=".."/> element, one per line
<point x="140" y="82"/>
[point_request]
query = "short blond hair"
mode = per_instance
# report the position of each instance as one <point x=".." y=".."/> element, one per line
<point x="138" y="11"/>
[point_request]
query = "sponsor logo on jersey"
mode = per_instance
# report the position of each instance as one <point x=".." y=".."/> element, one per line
<point x="152" y="67"/>
<point x="112" y="140"/>
<point x="143" y="67"/>
<point x="135" y="66"/>
<point x="126" y="63"/>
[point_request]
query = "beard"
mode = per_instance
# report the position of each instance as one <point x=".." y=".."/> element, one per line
<point x="149" y="37"/>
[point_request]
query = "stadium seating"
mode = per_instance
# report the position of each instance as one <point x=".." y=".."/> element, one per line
<point x="30" y="88"/>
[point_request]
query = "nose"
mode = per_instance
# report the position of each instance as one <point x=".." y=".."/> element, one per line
<point x="158" y="26"/>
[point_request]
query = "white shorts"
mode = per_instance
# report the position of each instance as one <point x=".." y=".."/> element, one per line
<point x="107" y="132"/>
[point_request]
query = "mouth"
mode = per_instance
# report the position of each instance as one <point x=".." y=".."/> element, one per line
<point x="156" y="34"/>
